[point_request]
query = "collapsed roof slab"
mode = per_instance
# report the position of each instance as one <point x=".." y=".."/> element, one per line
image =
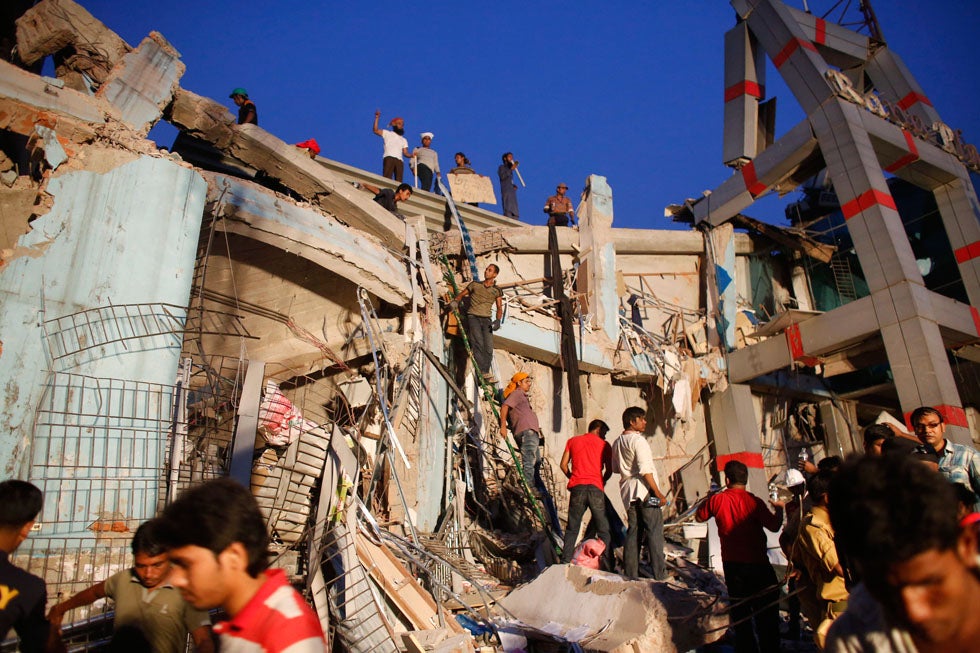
<point x="252" y="145"/>
<point x="254" y="212"/>
<point x="27" y="100"/>
<point x="606" y="612"/>
<point x="51" y="26"/>
<point x="143" y="83"/>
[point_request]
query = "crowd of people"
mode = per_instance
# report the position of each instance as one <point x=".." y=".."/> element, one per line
<point x="882" y="549"/>
<point x="424" y="163"/>
<point x="208" y="549"/>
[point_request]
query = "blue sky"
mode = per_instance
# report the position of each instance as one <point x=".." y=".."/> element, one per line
<point x="632" y="91"/>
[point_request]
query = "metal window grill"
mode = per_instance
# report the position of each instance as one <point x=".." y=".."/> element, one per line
<point x="125" y="323"/>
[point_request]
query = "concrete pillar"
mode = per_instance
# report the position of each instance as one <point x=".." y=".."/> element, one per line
<point x="735" y="430"/>
<point x="913" y="342"/>
<point x="597" y="256"/>
<point x="745" y="79"/>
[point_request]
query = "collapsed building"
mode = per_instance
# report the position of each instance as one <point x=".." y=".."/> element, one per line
<point x="236" y="307"/>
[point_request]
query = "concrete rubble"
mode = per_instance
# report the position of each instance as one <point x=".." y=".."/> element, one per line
<point x="234" y="307"/>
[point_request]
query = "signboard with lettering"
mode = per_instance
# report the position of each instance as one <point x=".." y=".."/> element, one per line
<point x="471" y="188"/>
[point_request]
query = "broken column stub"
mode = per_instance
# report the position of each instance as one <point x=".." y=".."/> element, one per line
<point x="51" y="26"/>
<point x="144" y="83"/>
<point x="606" y="612"/>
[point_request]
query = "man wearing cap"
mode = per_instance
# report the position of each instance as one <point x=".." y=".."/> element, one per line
<point x="310" y="146"/>
<point x="559" y="208"/>
<point x="247" y="113"/>
<point x="516" y="410"/>
<point x="395" y="147"/>
<point x="508" y="189"/>
<point x="427" y="161"/>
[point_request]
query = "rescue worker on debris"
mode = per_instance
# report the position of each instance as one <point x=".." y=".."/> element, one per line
<point x="150" y="613"/>
<point x="751" y="580"/>
<point x="247" y="113"/>
<point x="479" y="327"/>
<point x="559" y="208"/>
<point x="508" y="189"/>
<point x="426" y="161"/>
<point x="642" y="498"/>
<point x="517" y="413"/>
<point x="395" y="147"/>
<point x="896" y="522"/>
<point x="386" y="197"/>
<point x="22" y="595"/>
<point x="590" y="457"/>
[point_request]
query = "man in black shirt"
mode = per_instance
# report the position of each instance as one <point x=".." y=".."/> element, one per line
<point x="22" y="595"/>
<point x="388" y="198"/>
<point x="247" y="113"/>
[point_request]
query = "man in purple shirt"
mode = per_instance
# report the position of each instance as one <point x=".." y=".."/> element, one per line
<point x="516" y="410"/>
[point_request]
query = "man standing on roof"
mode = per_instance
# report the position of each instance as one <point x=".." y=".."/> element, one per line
<point x="479" y="329"/>
<point x="395" y="147"/>
<point x="559" y="208"/>
<point x="508" y="189"/>
<point x="642" y="498"/>
<point x="590" y="457"/>
<point x="959" y="463"/>
<point x="751" y="580"/>
<point x="516" y="412"/>
<point x="247" y="113"/>
<point x="427" y="161"/>
<point x="149" y="611"/>
<point x="22" y="595"/>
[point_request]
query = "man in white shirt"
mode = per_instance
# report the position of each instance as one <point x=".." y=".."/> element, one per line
<point x="641" y="494"/>
<point x="395" y="147"/>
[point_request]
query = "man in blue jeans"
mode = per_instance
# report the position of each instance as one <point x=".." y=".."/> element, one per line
<point x="641" y="495"/>
<point x="591" y="466"/>
<point x="516" y="412"/>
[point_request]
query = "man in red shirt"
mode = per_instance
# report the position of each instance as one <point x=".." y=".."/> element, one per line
<point x="751" y="581"/>
<point x="220" y="552"/>
<point x="591" y="460"/>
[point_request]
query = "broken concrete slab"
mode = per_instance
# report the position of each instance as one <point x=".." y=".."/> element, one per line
<point x="51" y="26"/>
<point x="606" y="612"/>
<point x="250" y="144"/>
<point x="144" y="83"/>
<point x="27" y="100"/>
<point x="255" y="212"/>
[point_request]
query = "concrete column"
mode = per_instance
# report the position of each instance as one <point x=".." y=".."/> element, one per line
<point x="735" y="430"/>
<point x="597" y="255"/>
<point x="745" y="79"/>
<point x="913" y="342"/>
<point x="960" y="210"/>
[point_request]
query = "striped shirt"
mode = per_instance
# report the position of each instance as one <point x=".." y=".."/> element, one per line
<point x="275" y="620"/>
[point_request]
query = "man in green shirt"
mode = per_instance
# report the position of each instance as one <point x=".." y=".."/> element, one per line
<point x="150" y="613"/>
<point x="479" y="328"/>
